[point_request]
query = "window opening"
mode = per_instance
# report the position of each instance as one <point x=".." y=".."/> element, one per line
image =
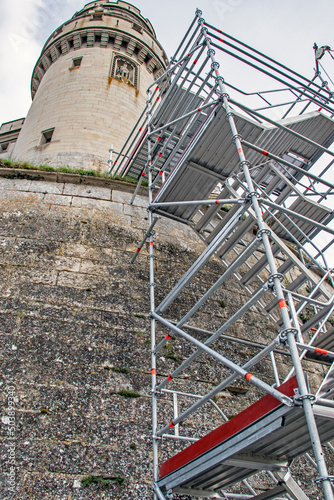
<point x="47" y="136"/>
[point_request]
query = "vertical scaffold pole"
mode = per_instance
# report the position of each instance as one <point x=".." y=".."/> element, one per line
<point x="275" y="278"/>
<point x="152" y="304"/>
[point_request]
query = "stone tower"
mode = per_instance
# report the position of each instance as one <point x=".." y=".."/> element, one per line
<point x="89" y="86"/>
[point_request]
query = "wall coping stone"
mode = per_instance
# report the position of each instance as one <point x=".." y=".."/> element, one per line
<point x="67" y="177"/>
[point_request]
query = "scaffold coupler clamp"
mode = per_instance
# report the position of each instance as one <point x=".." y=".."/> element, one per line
<point x="299" y="398"/>
<point x="275" y="276"/>
<point x="319" y="480"/>
<point x="250" y="195"/>
<point x="244" y="163"/>
<point x="263" y="231"/>
<point x="283" y="336"/>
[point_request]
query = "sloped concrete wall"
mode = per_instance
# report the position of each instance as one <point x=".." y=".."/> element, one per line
<point x="74" y="334"/>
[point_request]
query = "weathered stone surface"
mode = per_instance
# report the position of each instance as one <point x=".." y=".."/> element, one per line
<point x="74" y="333"/>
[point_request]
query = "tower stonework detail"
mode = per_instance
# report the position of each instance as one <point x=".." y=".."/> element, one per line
<point x="89" y="86"/>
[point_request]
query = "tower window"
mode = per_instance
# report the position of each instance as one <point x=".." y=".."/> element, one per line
<point x="76" y="63"/>
<point x="4" y="147"/>
<point x="137" y="27"/>
<point x="47" y="136"/>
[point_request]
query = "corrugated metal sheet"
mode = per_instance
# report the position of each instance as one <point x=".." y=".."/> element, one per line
<point x="276" y="447"/>
<point x="213" y="149"/>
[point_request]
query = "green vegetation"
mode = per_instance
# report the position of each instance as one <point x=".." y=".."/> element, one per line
<point x="169" y="353"/>
<point x="127" y="394"/>
<point x="307" y="314"/>
<point x="140" y="316"/>
<point x="222" y="304"/>
<point x="101" y="481"/>
<point x="120" y="370"/>
<point x="133" y="446"/>
<point x="64" y="169"/>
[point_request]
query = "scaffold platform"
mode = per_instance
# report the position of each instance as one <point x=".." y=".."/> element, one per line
<point x="265" y="436"/>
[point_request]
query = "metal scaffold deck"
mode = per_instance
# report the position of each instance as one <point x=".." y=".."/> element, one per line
<point x="249" y="172"/>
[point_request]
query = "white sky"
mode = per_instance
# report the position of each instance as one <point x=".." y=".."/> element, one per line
<point x="283" y="29"/>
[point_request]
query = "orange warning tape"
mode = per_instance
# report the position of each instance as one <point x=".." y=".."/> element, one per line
<point x="320" y="351"/>
<point x="281" y="303"/>
<point x="169" y="378"/>
<point x="248" y="376"/>
<point x="153" y="371"/>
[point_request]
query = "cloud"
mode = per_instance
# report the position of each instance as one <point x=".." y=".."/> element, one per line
<point x="18" y="52"/>
<point x="24" y="29"/>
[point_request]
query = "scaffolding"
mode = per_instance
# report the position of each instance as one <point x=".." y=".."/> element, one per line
<point x="249" y="173"/>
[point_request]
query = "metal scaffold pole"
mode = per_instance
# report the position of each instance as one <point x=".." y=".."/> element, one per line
<point x="151" y="257"/>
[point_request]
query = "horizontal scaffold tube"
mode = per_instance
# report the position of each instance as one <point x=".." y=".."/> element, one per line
<point x="315" y="92"/>
<point x="229" y="271"/>
<point x="287" y="163"/>
<point x="226" y="201"/>
<point x="266" y="57"/>
<point x="214" y="336"/>
<point x="226" y="362"/>
<point x="202" y="259"/>
<point x="297" y="89"/>
<point x="279" y="125"/>
<point x="220" y="387"/>
<point x="187" y="115"/>
<point x="296" y="214"/>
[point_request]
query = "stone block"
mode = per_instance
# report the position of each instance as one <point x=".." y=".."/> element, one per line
<point x="58" y="199"/>
<point x="137" y="212"/>
<point x="87" y="191"/>
<point x="67" y="264"/>
<point x="97" y="204"/>
<point x="46" y="187"/>
<point x="123" y="197"/>
<point x="14" y="184"/>
<point x="78" y="280"/>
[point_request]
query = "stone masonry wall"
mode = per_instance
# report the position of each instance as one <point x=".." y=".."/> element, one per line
<point x="74" y="334"/>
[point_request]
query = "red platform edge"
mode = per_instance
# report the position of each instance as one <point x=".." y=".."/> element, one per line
<point x="228" y="429"/>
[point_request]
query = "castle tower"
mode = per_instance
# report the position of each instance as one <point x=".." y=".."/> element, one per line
<point x="89" y="86"/>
